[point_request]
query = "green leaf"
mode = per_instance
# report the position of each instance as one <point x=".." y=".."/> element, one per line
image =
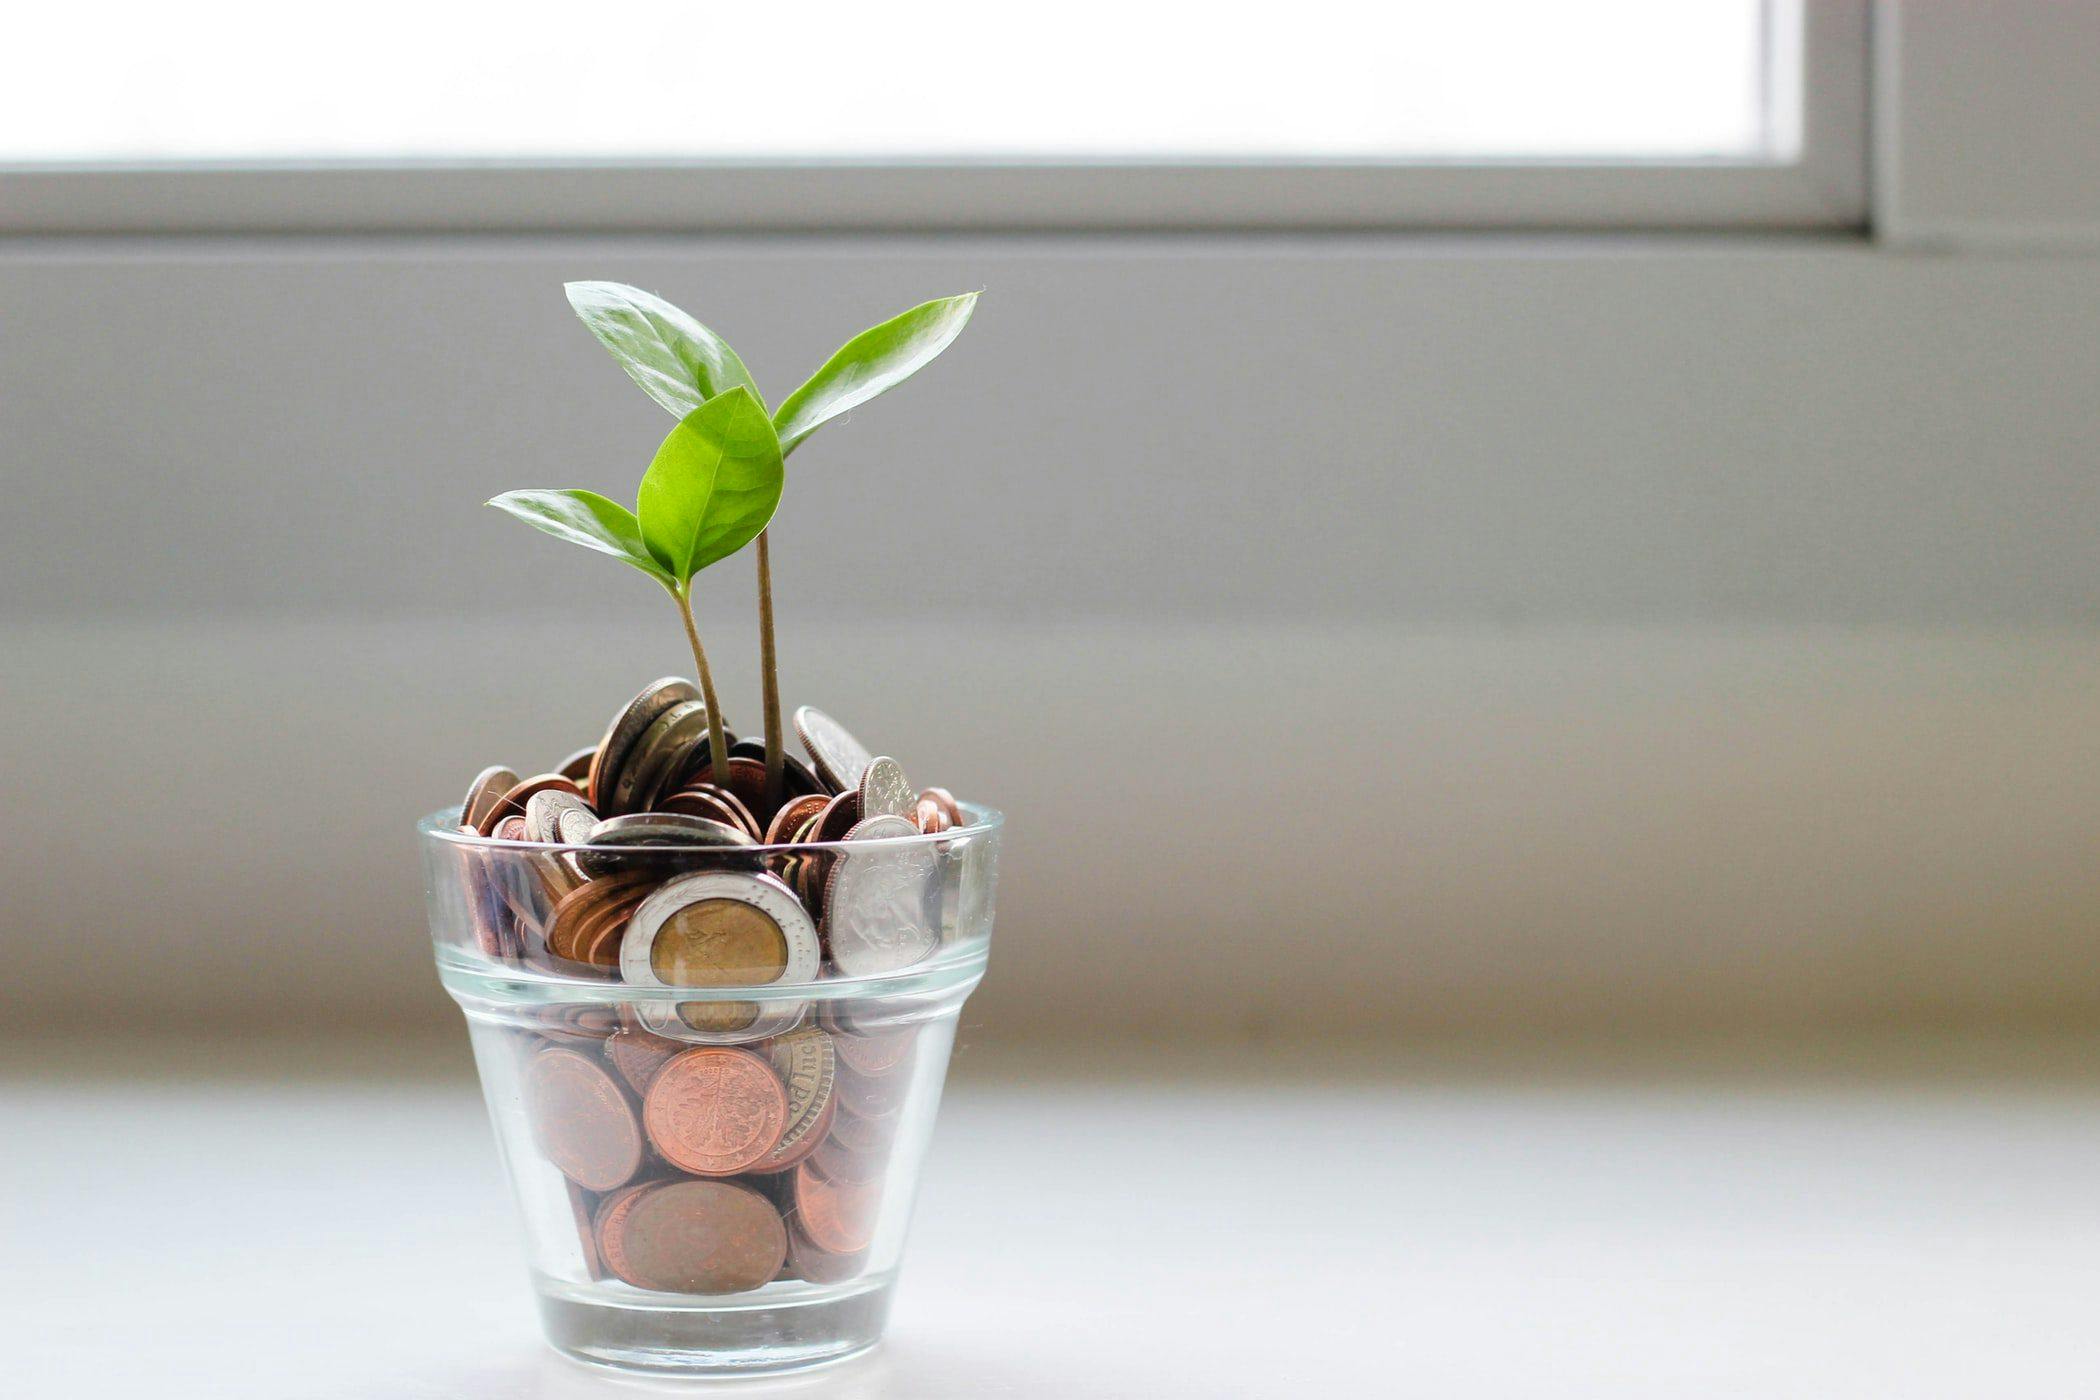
<point x="871" y="363"/>
<point x="677" y="361"/>
<point x="588" y="519"/>
<point x="713" y="486"/>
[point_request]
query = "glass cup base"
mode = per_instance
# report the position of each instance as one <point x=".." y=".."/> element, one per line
<point x="814" y="1325"/>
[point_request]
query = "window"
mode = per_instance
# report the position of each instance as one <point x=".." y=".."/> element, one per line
<point x="945" y="113"/>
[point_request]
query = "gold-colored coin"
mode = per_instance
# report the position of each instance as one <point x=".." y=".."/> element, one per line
<point x="718" y="943"/>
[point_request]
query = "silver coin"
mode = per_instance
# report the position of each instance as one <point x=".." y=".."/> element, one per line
<point x="628" y="726"/>
<point x="664" y="829"/>
<point x="558" y="818"/>
<point x="656" y="754"/>
<point x="841" y="759"/>
<point x="485" y="792"/>
<point x="884" y="791"/>
<point x="875" y="903"/>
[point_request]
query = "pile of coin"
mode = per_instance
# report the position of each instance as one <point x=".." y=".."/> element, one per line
<point x="712" y="1146"/>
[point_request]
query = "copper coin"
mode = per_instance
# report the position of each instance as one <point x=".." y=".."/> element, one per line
<point x="586" y="1231"/>
<point x="840" y="817"/>
<point x="577" y="766"/>
<point x="663" y="751"/>
<point x="877" y="1052"/>
<point x="715" y="1111"/>
<point x="928" y="815"/>
<point x="843" y="1165"/>
<point x="584" y="904"/>
<point x="806" y="1261"/>
<point x="600" y="946"/>
<point x="717" y="804"/>
<point x="509" y="829"/>
<point x="797" y="779"/>
<point x="626" y="727"/>
<point x="485" y="792"/>
<point x="793" y="815"/>
<point x="808" y="1067"/>
<point x="609" y="1227"/>
<point x="702" y="1237"/>
<point x="838" y="1217"/>
<point x="867" y="1136"/>
<point x="581" y="1119"/>
<point x="945" y="800"/>
<point x="638" y="1054"/>
<point x="746" y="780"/>
<point x="512" y="803"/>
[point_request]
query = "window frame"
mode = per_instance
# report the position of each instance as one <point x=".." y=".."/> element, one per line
<point x="1824" y="185"/>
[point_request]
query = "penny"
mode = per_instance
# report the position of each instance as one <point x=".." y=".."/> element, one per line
<point x="877" y="1052"/>
<point x="586" y="1231"/>
<point x="838" y="819"/>
<point x="720" y="929"/>
<point x="796" y="778"/>
<point x="512" y="803"/>
<point x="884" y="791"/>
<point x="584" y="904"/>
<point x="577" y="766"/>
<point x="484" y="793"/>
<point x="945" y="800"/>
<point x="716" y="804"/>
<point x="807" y="1066"/>
<point x="609" y="1227"/>
<point x="627" y="726"/>
<point x="581" y="1120"/>
<point x="867" y="1136"/>
<point x="663" y="748"/>
<point x="930" y="817"/>
<point x="558" y="818"/>
<point x="875" y="918"/>
<point x="838" y="1217"/>
<point x="840" y="758"/>
<point x="638" y="1054"/>
<point x="600" y="944"/>
<point x="707" y="1237"/>
<point x="796" y="813"/>
<point x="820" y="1265"/>
<point x="842" y="1165"/>
<point x="746" y="780"/>
<point x="714" y="1111"/>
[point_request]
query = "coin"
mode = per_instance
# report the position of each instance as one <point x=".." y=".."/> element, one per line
<point x="707" y="1237"/>
<point x="512" y="803"/>
<point x="746" y="780"/>
<point x="714" y="1111"/>
<point x="652" y="830"/>
<point x="883" y="790"/>
<point x="867" y="1136"/>
<point x="840" y="1164"/>
<point x="807" y="1066"/>
<point x="585" y="904"/>
<point x="627" y="726"/>
<point x="820" y="1265"/>
<point x="665" y="749"/>
<point x="581" y="1120"/>
<point x="875" y="917"/>
<point x="874" y="1053"/>
<point x="609" y="1227"/>
<point x="838" y="1217"/>
<point x="841" y="759"/>
<point x="716" y="804"/>
<point x="586" y="1231"/>
<point x="872" y="1095"/>
<point x="719" y="929"/>
<point x="638" y="1054"/>
<point x="839" y="818"/>
<point x="558" y="818"/>
<point x="796" y="813"/>
<point x="484" y="793"/>
<point x="929" y="816"/>
<point x="945" y="800"/>
<point x="577" y="766"/>
<point x="796" y="778"/>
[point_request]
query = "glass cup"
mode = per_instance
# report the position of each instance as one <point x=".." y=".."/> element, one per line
<point x="712" y="1072"/>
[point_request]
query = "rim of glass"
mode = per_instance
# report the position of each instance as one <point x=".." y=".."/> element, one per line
<point x="443" y="826"/>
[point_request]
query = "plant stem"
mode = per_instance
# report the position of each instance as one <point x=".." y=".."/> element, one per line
<point x="717" y="748"/>
<point x="769" y="666"/>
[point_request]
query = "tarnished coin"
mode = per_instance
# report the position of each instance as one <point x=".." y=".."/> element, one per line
<point x="840" y="816"/>
<point x="577" y="766"/>
<point x="808" y="1067"/>
<point x="720" y="929"/>
<point x="574" y="914"/>
<point x="581" y="1120"/>
<point x="665" y="749"/>
<point x="838" y="1217"/>
<point x="884" y="791"/>
<point x="655" y="831"/>
<point x="609" y="1226"/>
<point x="875" y="901"/>
<point x="638" y="1054"/>
<point x="945" y="800"/>
<point x="841" y="759"/>
<point x="714" y="803"/>
<point x="586" y="1231"/>
<point x="797" y="813"/>
<point x="558" y="818"/>
<point x="627" y="726"/>
<point x="715" y="1111"/>
<point x="512" y="803"/>
<point x="930" y="817"/>
<point x="484" y="793"/>
<point x="709" y="1237"/>
<point x="796" y="777"/>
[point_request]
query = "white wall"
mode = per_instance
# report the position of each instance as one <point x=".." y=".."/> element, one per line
<point x="1367" y="632"/>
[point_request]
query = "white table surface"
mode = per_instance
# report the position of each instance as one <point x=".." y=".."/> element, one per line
<point x="294" y="1222"/>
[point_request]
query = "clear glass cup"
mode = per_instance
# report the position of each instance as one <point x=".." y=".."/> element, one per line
<point x="714" y="1144"/>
